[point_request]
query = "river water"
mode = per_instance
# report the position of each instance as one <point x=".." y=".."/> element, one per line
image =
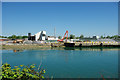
<point x="68" y="62"/>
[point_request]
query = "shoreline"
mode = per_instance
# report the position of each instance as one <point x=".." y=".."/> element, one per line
<point x="38" y="47"/>
<point x="24" y="47"/>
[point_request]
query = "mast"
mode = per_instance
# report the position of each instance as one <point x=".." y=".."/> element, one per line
<point x="54" y="32"/>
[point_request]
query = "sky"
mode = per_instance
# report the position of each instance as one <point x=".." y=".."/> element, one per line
<point x="87" y="18"/>
<point x="60" y="0"/>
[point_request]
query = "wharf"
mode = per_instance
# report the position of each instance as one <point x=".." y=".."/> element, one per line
<point x="92" y="44"/>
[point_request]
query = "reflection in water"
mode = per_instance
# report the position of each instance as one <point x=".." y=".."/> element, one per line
<point x="69" y="62"/>
<point x="74" y="48"/>
<point x="101" y="49"/>
<point x="85" y="48"/>
<point x="17" y="50"/>
<point x="69" y="48"/>
<point x="91" y="48"/>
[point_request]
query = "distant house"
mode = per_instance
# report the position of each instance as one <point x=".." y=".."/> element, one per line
<point x="94" y="38"/>
<point x="106" y="40"/>
<point x="51" y="38"/>
<point x="3" y="39"/>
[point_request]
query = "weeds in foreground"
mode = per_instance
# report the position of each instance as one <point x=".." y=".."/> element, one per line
<point x="22" y="72"/>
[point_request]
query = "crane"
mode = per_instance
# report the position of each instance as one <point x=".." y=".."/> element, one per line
<point x="61" y="40"/>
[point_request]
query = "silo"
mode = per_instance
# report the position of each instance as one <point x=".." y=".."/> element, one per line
<point x="29" y="36"/>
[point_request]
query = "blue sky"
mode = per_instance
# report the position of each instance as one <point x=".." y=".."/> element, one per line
<point x="87" y="18"/>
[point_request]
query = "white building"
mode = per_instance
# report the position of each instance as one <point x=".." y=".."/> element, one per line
<point x="40" y="36"/>
<point x="52" y="38"/>
<point x="96" y="37"/>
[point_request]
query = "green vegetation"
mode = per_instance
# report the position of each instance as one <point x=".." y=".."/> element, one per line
<point x="24" y="36"/>
<point x="59" y="37"/>
<point x="14" y="37"/>
<point x="110" y="37"/>
<point x="77" y="37"/>
<point x="81" y="36"/>
<point x="22" y="72"/>
<point x="72" y="36"/>
<point x="3" y="36"/>
<point x="102" y="37"/>
<point x="17" y="37"/>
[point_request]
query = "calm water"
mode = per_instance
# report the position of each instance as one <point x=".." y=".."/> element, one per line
<point x="68" y="62"/>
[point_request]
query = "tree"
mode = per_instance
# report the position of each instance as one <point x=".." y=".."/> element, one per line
<point x="25" y="37"/>
<point x="59" y="37"/>
<point x="13" y="36"/>
<point x="112" y="37"/>
<point x="72" y="36"/>
<point x="118" y="36"/>
<point x="81" y="36"/>
<point x="3" y="36"/>
<point x="19" y="37"/>
<point x="77" y="37"/>
<point x="102" y="37"/>
<point x="115" y="36"/>
<point x="9" y="37"/>
<point x="108" y="37"/>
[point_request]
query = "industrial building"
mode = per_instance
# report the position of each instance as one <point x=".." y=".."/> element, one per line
<point x="41" y="36"/>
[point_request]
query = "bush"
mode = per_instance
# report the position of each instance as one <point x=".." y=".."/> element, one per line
<point x="22" y="72"/>
<point x="72" y="36"/>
